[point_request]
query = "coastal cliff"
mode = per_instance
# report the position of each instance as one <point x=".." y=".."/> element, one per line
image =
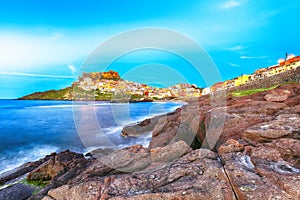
<point x="255" y="156"/>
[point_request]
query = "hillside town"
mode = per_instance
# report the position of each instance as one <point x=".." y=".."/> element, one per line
<point x="111" y="83"/>
<point x="291" y="62"/>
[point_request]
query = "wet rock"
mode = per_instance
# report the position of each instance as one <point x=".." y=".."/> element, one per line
<point x="58" y="164"/>
<point x="24" y="169"/>
<point x="277" y="95"/>
<point x="16" y="192"/>
<point x="145" y="126"/>
<point x="138" y="129"/>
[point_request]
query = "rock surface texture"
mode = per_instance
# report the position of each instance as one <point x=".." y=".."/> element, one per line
<point x="214" y="148"/>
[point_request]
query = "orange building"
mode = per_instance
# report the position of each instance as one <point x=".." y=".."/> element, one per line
<point x="218" y="86"/>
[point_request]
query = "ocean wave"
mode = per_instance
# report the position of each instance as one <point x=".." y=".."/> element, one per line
<point x="144" y="140"/>
<point x="14" y="159"/>
<point x="112" y="130"/>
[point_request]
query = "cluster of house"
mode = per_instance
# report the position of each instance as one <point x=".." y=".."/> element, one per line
<point x="110" y="82"/>
<point x="291" y="62"/>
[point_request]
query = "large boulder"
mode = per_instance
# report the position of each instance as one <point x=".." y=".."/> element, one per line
<point x="278" y="95"/>
<point x="170" y="152"/>
<point x="284" y="125"/>
<point x="58" y="164"/>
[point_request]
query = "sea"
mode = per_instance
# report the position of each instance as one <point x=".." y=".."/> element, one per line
<point x="32" y="129"/>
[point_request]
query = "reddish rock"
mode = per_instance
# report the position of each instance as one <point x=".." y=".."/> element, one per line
<point x="285" y="125"/>
<point x="229" y="146"/>
<point x="170" y="152"/>
<point x="292" y="102"/>
<point x="278" y="95"/>
<point x="59" y="164"/>
<point x="266" y="153"/>
<point x="165" y="131"/>
<point x="256" y="107"/>
<point x="281" y="174"/>
<point x="197" y="175"/>
<point x="287" y="148"/>
<point x="81" y="191"/>
<point x="246" y="183"/>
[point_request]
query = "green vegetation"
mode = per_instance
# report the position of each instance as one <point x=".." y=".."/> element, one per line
<point x="37" y="183"/>
<point x="48" y="95"/>
<point x="77" y="93"/>
<point x="136" y="97"/>
<point x="290" y="82"/>
<point x="242" y="93"/>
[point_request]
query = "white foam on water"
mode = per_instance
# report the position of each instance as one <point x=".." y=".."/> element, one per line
<point x="58" y="106"/>
<point x="101" y="104"/>
<point x="17" y="158"/>
<point x="112" y="130"/>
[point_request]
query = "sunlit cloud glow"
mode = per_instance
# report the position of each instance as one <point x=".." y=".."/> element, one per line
<point x="237" y="48"/>
<point x="36" y="75"/>
<point x="230" y="4"/>
<point x="253" y="57"/>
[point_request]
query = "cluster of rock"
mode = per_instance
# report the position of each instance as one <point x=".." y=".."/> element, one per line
<point x="240" y="148"/>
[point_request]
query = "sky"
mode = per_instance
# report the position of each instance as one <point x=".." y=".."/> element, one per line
<point x="44" y="44"/>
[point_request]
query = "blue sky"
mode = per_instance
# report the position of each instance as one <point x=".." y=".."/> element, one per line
<point x="44" y="43"/>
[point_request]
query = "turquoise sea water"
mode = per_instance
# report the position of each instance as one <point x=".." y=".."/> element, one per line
<point x="30" y="130"/>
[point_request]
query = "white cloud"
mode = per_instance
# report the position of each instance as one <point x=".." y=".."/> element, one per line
<point x="237" y="48"/>
<point x="230" y="4"/>
<point x="253" y="57"/>
<point x="233" y="65"/>
<point x="36" y="75"/>
<point x="72" y="68"/>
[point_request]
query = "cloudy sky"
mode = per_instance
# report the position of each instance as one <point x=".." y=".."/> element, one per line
<point x="43" y="44"/>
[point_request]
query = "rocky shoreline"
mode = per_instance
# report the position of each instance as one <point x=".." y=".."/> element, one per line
<point x="244" y="148"/>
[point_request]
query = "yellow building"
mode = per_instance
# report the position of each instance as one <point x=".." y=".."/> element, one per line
<point x="241" y="80"/>
<point x="276" y="69"/>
